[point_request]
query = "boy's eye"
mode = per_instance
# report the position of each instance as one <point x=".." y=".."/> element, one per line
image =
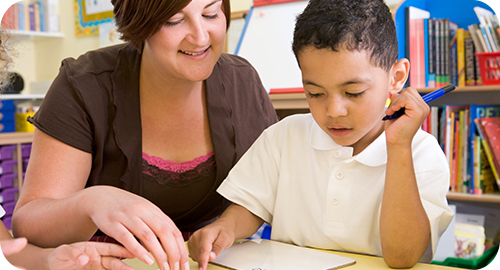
<point x="355" y="95"/>
<point x="314" y="95"/>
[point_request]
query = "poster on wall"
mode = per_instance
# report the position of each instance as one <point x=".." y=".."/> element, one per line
<point x="89" y="14"/>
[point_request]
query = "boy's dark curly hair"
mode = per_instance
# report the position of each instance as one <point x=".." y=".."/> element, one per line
<point x="348" y="24"/>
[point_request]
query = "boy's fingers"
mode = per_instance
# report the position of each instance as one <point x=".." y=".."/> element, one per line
<point x="107" y="249"/>
<point x="12" y="246"/>
<point x="114" y="264"/>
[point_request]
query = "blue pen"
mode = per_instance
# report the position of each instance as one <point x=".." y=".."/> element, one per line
<point x="427" y="98"/>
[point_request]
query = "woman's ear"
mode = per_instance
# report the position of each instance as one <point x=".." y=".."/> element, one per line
<point x="399" y="74"/>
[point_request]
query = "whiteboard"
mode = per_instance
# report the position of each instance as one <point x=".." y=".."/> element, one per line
<point x="266" y="42"/>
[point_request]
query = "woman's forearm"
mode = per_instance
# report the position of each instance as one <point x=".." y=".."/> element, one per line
<point x="52" y="222"/>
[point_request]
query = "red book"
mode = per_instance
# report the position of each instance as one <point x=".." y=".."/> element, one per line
<point x="490" y="130"/>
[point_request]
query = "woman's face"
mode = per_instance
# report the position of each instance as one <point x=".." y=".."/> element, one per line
<point x="190" y="43"/>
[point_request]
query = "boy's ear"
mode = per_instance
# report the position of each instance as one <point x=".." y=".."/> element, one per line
<point x="399" y="74"/>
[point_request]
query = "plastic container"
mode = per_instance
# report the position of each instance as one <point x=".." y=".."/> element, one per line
<point x="7" y="180"/>
<point x="7" y="151"/>
<point x="8" y="166"/>
<point x="478" y="263"/>
<point x="8" y="194"/>
<point x="489" y="66"/>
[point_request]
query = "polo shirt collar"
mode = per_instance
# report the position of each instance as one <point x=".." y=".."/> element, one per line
<point x="374" y="155"/>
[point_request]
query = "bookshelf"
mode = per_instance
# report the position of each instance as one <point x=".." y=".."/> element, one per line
<point x="35" y="34"/>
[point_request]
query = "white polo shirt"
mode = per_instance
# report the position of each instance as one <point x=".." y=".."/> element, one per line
<point x="314" y="193"/>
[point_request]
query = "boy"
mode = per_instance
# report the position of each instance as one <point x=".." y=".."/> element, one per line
<point x="341" y="178"/>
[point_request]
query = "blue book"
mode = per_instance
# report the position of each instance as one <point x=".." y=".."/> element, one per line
<point x="477" y="111"/>
<point x="42" y="16"/>
<point x="426" y="51"/>
<point x="31" y="13"/>
<point x="22" y="25"/>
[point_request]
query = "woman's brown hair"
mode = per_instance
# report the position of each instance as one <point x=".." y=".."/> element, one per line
<point x="137" y="20"/>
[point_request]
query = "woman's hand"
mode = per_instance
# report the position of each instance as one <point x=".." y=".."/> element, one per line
<point x="126" y="216"/>
<point x="402" y="129"/>
<point x="89" y="255"/>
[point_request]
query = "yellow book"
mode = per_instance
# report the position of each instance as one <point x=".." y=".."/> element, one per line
<point x="461" y="56"/>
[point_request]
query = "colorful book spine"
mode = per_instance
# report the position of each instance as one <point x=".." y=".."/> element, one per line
<point x="31" y="8"/>
<point x="431" y="55"/>
<point x="470" y="62"/>
<point x="460" y="57"/>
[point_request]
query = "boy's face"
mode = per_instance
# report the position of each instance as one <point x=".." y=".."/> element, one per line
<point x="346" y="94"/>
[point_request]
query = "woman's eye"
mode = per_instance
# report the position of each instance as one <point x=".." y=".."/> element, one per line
<point x="211" y="17"/>
<point x="172" y="23"/>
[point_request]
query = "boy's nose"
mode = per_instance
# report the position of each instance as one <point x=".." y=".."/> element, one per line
<point x="336" y="108"/>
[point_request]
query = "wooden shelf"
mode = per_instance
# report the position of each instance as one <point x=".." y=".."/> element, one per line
<point x="489" y="198"/>
<point x="16" y="137"/>
<point x="467" y="89"/>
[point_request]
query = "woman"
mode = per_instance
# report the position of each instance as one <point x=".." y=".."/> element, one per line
<point x="84" y="255"/>
<point x="133" y="140"/>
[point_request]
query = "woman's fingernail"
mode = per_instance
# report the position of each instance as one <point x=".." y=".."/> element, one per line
<point x="186" y="266"/>
<point x="147" y="259"/>
<point x="176" y="266"/>
<point x="166" y="266"/>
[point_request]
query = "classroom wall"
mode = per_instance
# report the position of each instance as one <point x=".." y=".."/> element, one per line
<point x="39" y="59"/>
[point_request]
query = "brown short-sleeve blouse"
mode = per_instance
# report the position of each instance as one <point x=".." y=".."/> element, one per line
<point x="93" y="105"/>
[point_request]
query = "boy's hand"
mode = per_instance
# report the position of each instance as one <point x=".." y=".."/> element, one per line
<point x="401" y="130"/>
<point x="207" y="243"/>
<point x="9" y="247"/>
<point x="89" y="255"/>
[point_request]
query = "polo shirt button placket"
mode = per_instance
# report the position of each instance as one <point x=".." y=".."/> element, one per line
<point x="337" y="154"/>
<point x="335" y="200"/>
<point x="339" y="175"/>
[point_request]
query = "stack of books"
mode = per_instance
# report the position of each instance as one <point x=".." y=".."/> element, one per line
<point x="470" y="138"/>
<point x="35" y="15"/>
<point x="440" y="52"/>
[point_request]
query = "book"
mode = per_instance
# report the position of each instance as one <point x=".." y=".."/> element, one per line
<point x="478" y="111"/>
<point x="452" y="64"/>
<point x="412" y="13"/>
<point x="41" y="11"/>
<point x="486" y="25"/>
<point x="439" y="52"/>
<point x="486" y="180"/>
<point x="489" y="130"/>
<point x="476" y="170"/>
<point x="52" y="16"/>
<point x="470" y="62"/>
<point x="36" y="7"/>
<point x="478" y="46"/>
<point x="460" y="57"/>
<point x="431" y="54"/>
<point x="418" y="53"/>
<point x="31" y="8"/>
